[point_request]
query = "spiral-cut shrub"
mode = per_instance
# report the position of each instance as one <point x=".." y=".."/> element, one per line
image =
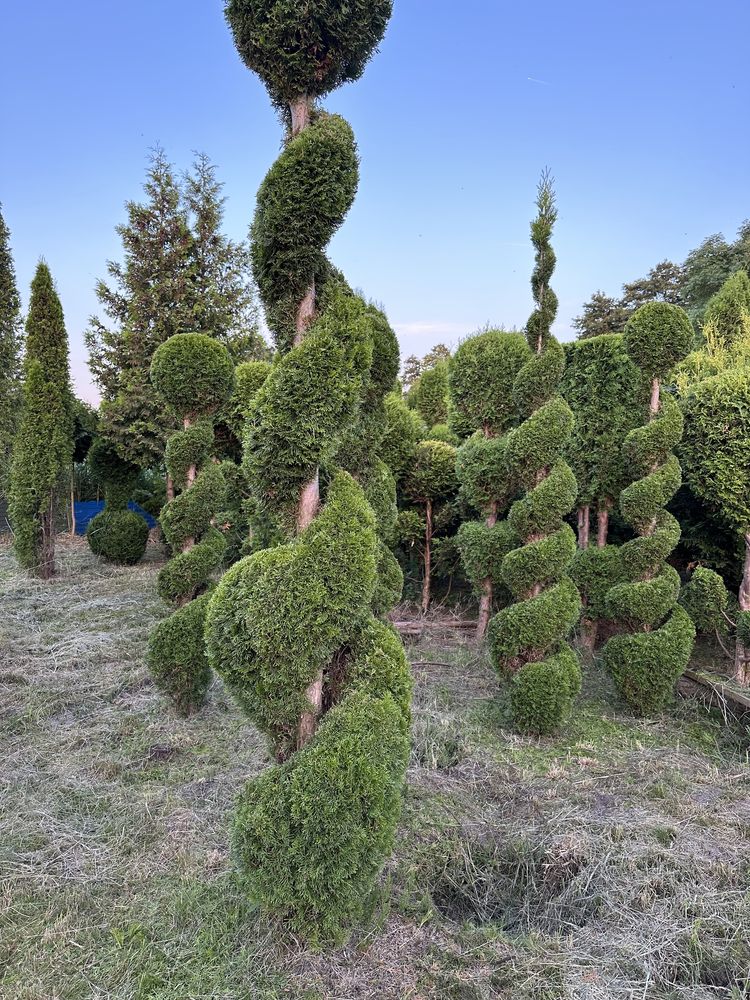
<point x="481" y="381"/>
<point x="527" y="639"/>
<point x="194" y="373"/>
<point x="648" y="658"/>
<point x="117" y="534"/>
<point x="294" y="629"/>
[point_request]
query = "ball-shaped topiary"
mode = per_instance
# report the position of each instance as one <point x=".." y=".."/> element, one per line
<point x="647" y="662"/>
<point x="116" y="534"/>
<point x="528" y="639"/>
<point x="292" y="629"/>
<point x="194" y="373"/>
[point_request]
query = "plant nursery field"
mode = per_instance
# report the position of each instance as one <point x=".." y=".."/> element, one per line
<point x="611" y="861"/>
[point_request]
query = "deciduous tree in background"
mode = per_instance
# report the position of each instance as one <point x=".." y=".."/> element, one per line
<point x="43" y="449"/>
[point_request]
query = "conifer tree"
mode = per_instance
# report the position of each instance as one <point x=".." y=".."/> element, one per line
<point x="43" y="448"/>
<point x="649" y="657"/>
<point x="10" y="353"/>
<point x="194" y="373"/>
<point x="481" y="387"/>
<point x="528" y="639"/>
<point x="292" y="629"/>
<point x="116" y="534"/>
<point x="430" y="394"/>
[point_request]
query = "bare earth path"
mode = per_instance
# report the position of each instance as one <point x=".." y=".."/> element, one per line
<point x="611" y="861"/>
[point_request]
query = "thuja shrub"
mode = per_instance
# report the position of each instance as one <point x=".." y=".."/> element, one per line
<point x="117" y="535"/>
<point x="194" y="374"/>
<point x="653" y="650"/>
<point x="482" y="375"/>
<point x="528" y="638"/>
<point x="293" y="629"/>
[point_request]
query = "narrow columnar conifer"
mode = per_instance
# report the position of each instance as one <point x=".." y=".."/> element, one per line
<point x="528" y="639"/>
<point x="294" y="629"/>
<point x="43" y="448"/>
<point x="194" y="374"/>
<point x="482" y="374"/>
<point x="10" y="354"/>
<point x="652" y="653"/>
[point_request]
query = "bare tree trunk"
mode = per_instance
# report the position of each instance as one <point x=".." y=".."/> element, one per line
<point x="655" y="400"/>
<point x="301" y="109"/>
<point x="584" y="526"/>
<point x="427" y="581"/>
<point x="602" y="523"/>
<point x="72" y="506"/>
<point x="190" y="478"/>
<point x="589" y="632"/>
<point x="170" y="489"/>
<point x="46" y="567"/>
<point x="741" y="663"/>
<point x="485" y="598"/>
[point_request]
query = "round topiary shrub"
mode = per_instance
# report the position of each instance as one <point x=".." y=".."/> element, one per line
<point x="119" y="536"/>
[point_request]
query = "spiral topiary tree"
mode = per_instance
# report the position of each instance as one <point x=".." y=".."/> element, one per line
<point x="194" y="373"/>
<point x="293" y="629"/>
<point x="527" y="639"/>
<point x="117" y="534"/>
<point x="647" y="659"/>
<point x="481" y="383"/>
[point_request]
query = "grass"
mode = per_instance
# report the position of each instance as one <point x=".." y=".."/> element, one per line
<point x="612" y="861"/>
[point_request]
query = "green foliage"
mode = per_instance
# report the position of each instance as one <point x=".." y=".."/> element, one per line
<point x="390" y="582"/>
<point x="193" y="373"/>
<point x="729" y="309"/>
<point x="43" y="449"/>
<point x="646" y="665"/>
<point x="404" y="429"/>
<point x="527" y="639"/>
<point x="595" y="571"/>
<point x="116" y="476"/>
<point x="542" y="692"/>
<point x="483" y="548"/>
<point x="348" y="779"/>
<point x="249" y="377"/>
<point x="442" y="432"/>
<point x="177" y="658"/>
<point x="657" y="336"/>
<point x="705" y="598"/>
<point x="603" y="388"/>
<point x="482" y="374"/>
<point x="308" y="50"/>
<point x="432" y="475"/>
<point x="482" y="472"/>
<point x="430" y="394"/>
<point x="10" y="353"/>
<point x="118" y="536"/>
<point x="716" y="445"/>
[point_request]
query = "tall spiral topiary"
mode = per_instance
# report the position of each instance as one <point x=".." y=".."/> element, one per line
<point x="193" y="372"/>
<point x="648" y="658"/>
<point x="528" y="638"/>
<point x="481" y="382"/>
<point x="294" y="629"/>
<point x="116" y="534"/>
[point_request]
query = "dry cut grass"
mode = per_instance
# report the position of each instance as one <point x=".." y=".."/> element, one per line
<point x="610" y="862"/>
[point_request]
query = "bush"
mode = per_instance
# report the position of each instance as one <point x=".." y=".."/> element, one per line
<point x="119" y="536"/>
<point x="705" y="598"/>
<point x="657" y="336"/>
<point x="177" y="658"/>
<point x="541" y="693"/>
<point x="193" y="372"/>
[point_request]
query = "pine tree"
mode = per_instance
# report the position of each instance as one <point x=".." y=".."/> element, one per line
<point x="43" y="449"/>
<point x="10" y="353"/>
<point x="647" y="659"/>
<point x="180" y="274"/>
<point x="293" y="629"/>
<point x="528" y="639"/>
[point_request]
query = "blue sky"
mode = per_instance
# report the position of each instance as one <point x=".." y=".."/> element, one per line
<point x="639" y="109"/>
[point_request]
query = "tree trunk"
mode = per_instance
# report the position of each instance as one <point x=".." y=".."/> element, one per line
<point x="72" y="506"/>
<point x="46" y="567"/>
<point x="190" y="478"/>
<point x="602" y="523"/>
<point x="170" y="489"/>
<point x="301" y="110"/>
<point x="584" y="526"/>
<point x="653" y="408"/>
<point x="485" y="598"/>
<point x="589" y="633"/>
<point x="427" y="581"/>
<point x="741" y="664"/>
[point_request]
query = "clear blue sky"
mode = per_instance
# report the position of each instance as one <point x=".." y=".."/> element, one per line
<point x="640" y="110"/>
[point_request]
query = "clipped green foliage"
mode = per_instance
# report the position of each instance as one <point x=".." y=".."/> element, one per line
<point x="430" y="394"/>
<point x="483" y="548"/>
<point x="729" y="309"/>
<point x="657" y="336"/>
<point x="404" y="429"/>
<point x="432" y="475"/>
<point x="482" y="472"/>
<point x="177" y="657"/>
<point x="528" y="638"/>
<point x="482" y="374"/>
<point x="646" y="663"/>
<point x="595" y="571"/>
<point x="118" y="536"/>
<point x="442" y="432"/>
<point x="705" y="598"/>
<point x="308" y="49"/>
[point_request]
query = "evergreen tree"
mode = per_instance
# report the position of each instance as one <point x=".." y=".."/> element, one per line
<point x="43" y="449"/>
<point x="647" y="659"/>
<point x="601" y="315"/>
<point x="10" y="353"/>
<point x="528" y="638"/>
<point x="293" y="629"/>
<point x="728" y="312"/>
<point x="180" y="274"/>
<point x="481" y="387"/>
<point x="116" y="534"/>
<point x="430" y="394"/>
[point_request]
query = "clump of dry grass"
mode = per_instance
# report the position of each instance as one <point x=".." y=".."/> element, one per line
<point x="608" y="862"/>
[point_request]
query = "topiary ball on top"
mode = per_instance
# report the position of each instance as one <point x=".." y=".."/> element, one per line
<point x="306" y="49"/>
<point x="657" y="336"/>
<point x="193" y="372"/>
<point x="119" y="536"/>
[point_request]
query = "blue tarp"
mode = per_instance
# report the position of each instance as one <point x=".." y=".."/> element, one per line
<point x="87" y="509"/>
